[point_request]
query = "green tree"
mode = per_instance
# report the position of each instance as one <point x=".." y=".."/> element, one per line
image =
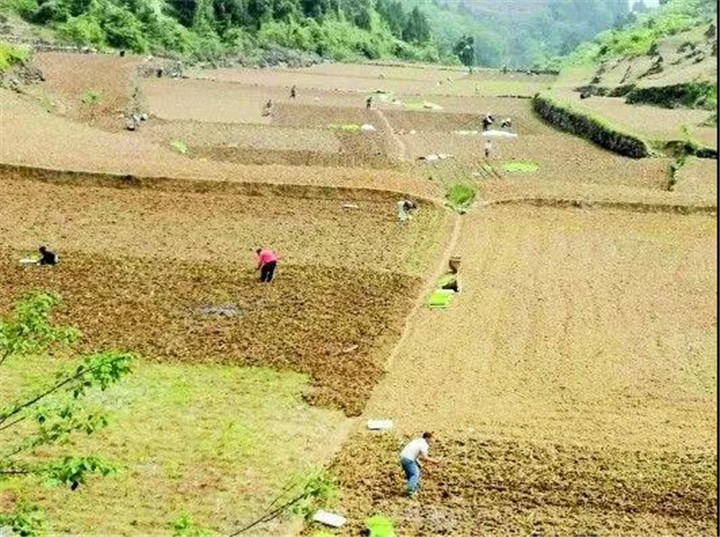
<point x="464" y="49"/>
<point x="52" y="410"/>
<point x="417" y="28"/>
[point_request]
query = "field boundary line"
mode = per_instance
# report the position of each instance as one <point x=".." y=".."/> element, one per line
<point x="393" y="135"/>
<point x="427" y="286"/>
<point x="179" y="184"/>
<point x="570" y="203"/>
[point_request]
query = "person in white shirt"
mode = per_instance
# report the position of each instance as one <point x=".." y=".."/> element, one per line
<point x="414" y="451"/>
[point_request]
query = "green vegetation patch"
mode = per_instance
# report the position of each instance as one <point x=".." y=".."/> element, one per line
<point x="460" y="196"/>
<point x="520" y="167"/>
<point x="217" y="442"/>
<point x="179" y="146"/>
<point x="691" y="95"/>
<point x="380" y="526"/>
<point x="91" y="96"/>
<point x="11" y="55"/>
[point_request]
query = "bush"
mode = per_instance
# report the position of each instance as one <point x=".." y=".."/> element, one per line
<point x="11" y="55"/>
<point x="83" y="30"/>
<point x="691" y="95"/>
<point x="460" y="195"/>
<point x="589" y="127"/>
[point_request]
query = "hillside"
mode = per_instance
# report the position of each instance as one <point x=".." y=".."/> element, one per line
<point x="252" y="30"/>
<point x="520" y="33"/>
<point x="667" y="58"/>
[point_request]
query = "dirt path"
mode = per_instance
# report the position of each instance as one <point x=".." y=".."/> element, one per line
<point x="396" y="141"/>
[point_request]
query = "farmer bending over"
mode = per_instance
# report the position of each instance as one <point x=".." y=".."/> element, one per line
<point x="368" y="103"/>
<point x="293" y="92"/>
<point x="403" y="210"/>
<point x="416" y="450"/>
<point x="47" y="257"/>
<point x="267" y="260"/>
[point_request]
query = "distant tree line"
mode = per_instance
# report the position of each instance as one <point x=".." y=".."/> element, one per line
<point x="338" y="29"/>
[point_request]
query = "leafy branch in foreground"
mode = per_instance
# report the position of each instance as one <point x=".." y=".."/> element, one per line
<point x="53" y="409"/>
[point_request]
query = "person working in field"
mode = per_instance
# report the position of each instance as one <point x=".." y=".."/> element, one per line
<point x="267" y="261"/>
<point x="403" y="210"/>
<point x="487" y="121"/>
<point x="488" y="148"/>
<point x="415" y="451"/>
<point x="268" y="108"/>
<point x="293" y="92"/>
<point x="368" y="102"/>
<point x="506" y="123"/>
<point x="47" y="257"/>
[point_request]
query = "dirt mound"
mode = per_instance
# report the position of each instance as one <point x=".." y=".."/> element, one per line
<point x="333" y="324"/>
<point x="521" y="488"/>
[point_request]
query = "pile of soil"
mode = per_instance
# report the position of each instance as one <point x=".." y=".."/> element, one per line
<point x="333" y="324"/>
<point x="484" y="487"/>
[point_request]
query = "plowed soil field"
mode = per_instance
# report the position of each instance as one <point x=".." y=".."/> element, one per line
<point x="401" y="80"/>
<point x="489" y="487"/>
<point x="698" y="176"/>
<point x="330" y="323"/>
<point x="568" y="393"/>
<point x="71" y="80"/>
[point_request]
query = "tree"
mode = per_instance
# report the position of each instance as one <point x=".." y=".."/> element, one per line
<point x="464" y="49"/>
<point x="417" y="28"/>
<point x="394" y="14"/>
<point x="51" y="411"/>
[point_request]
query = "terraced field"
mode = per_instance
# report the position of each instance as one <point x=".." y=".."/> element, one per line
<point x="570" y="384"/>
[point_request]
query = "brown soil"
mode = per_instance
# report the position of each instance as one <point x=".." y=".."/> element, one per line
<point x="69" y="77"/>
<point x="208" y="226"/>
<point x="330" y="323"/>
<point x="67" y="145"/>
<point x="697" y="176"/>
<point x="485" y="487"/>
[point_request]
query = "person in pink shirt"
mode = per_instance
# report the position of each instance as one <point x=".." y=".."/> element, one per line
<point x="267" y="260"/>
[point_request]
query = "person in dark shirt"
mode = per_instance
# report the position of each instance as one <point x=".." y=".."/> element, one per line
<point x="47" y="257"/>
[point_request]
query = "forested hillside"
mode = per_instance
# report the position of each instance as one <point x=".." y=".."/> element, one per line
<point x="338" y="29"/>
<point x="520" y="33"/>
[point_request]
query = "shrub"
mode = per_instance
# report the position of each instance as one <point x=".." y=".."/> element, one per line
<point x="11" y="55"/>
<point x="83" y="30"/>
<point x="460" y="195"/>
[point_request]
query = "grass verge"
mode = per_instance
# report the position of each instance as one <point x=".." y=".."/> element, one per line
<point x="209" y="443"/>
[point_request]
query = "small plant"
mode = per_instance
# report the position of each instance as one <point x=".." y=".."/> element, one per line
<point x="25" y="520"/>
<point x="520" y="167"/>
<point x="380" y="526"/>
<point x="460" y="196"/>
<point x="179" y="146"/>
<point x="91" y="96"/>
<point x="183" y="526"/>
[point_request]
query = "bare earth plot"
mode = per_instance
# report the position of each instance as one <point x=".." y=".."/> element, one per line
<point x="698" y="176"/>
<point x="32" y="137"/>
<point x="167" y="255"/>
<point x="394" y="79"/>
<point x="570" y="384"/>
